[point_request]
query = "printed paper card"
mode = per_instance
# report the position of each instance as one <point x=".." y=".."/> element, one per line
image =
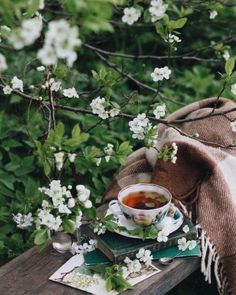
<point x="75" y="274"/>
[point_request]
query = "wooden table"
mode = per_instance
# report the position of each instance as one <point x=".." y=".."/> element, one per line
<point x="28" y="275"/>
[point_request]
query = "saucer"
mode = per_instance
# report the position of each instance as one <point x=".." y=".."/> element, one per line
<point x="170" y="223"/>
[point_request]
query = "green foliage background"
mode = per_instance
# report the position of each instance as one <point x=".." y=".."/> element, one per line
<point x="23" y="122"/>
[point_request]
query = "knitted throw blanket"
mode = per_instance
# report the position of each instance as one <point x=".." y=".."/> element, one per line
<point x="202" y="182"/>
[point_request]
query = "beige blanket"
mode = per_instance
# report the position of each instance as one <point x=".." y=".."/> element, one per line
<point x="203" y="182"/>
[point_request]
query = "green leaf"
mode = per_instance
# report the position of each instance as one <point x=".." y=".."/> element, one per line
<point x="229" y="66"/>
<point x="33" y="6"/>
<point x="76" y="131"/>
<point x="160" y="30"/>
<point x="76" y="140"/>
<point x="177" y="24"/>
<point x="69" y="226"/>
<point x="41" y="236"/>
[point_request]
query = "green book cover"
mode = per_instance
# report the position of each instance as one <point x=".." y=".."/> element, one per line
<point x="117" y="247"/>
<point x="96" y="257"/>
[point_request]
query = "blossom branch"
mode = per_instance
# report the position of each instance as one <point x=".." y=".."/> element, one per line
<point x="137" y="82"/>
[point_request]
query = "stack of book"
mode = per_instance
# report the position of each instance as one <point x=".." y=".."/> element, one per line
<point x="113" y="247"/>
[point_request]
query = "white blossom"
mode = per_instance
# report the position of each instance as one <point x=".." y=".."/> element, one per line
<point x="114" y="112"/>
<point x="40" y="68"/>
<point x="213" y="14"/>
<point x="131" y="15"/>
<point x="3" y="63"/>
<point x="70" y="92"/>
<point x="55" y="85"/>
<point x="7" y="90"/>
<point x="108" y="150"/>
<point x="173" y="154"/>
<point x="45" y="204"/>
<point x="41" y="4"/>
<point x="59" y="158"/>
<point x="226" y="55"/>
<point x="71" y="203"/>
<point x="97" y="161"/>
<point x="84" y="248"/>
<point x="25" y="35"/>
<point x="161" y="73"/>
<point x="60" y="42"/>
<point x="182" y="244"/>
<point x="23" y="220"/>
<point x="233" y="89"/>
<point x="5" y="28"/>
<point x="88" y="204"/>
<point x="233" y="126"/>
<point x="186" y="229"/>
<point x="62" y="208"/>
<point x="82" y="193"/>
<point x="139" y="126"/>
<point x="71" y="157"/>
<point x="133" y="266"/>
<point x="160" y="111"/>
<point x="145" y="256"/>
<point x="99" y="229"/>
<point x="157" y="10"/>
<point x="98" y="107"/>
<point x="17" y="83"/>
<point x="173" y="39"/>
<point x="192" y="244"/>
<point x="162" y="236"/>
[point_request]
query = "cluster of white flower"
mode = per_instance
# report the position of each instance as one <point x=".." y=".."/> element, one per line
<point x="131" y="15"/>
<point x="16" y="84"/>
<point x="40" y="68"/>
<point x="161" y="73"/>
<point x="60" y="42"/>
<point x="3" y="63"/>
<point x="54" y="85"/>
<point x="23" y="220"/>
<point x="83" y="195"/>
<point x="213" y="14"/>
<point x="84" y="248"/>
<point x="48" y="219"/>
<point x="226" y="55"/>
<point x="25" y="35"/>
<point x="108" y="150"/>
<point x="162" y="236"/>
<point x="160" y="111"/>
<point x="139" y="126"/>
<point x="183" y="244"/>
<point x="145" y="256"/>
<point x="173" y="39"/>
<point x="97" y="161"/>
<point x="173" y="154"/>
<point x="157" y="10"/>
<point x="233" y="126"/>
<point x="132" y="266"/>
<point x="59" y="159"/>
<point x="61" y="196"/>
<point x="99" y="229"/>
<point x="99" y="105"/>
<point x="70" y="92"/>
<point x="233" y="89"/>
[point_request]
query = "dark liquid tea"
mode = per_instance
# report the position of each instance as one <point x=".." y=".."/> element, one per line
<point x="144" y="200"/>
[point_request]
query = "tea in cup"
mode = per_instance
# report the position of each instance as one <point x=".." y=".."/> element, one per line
<point x="145" y="203"/>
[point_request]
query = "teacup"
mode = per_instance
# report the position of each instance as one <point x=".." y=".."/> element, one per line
<point x="150" y="213"/>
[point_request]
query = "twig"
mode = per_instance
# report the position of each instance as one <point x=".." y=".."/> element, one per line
<point x="137" y="82"/>
<point x="156" y="57"/>
<point x="51" y="102"/>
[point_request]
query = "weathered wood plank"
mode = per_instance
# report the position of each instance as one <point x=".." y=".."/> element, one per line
<point x="28" y="275"/>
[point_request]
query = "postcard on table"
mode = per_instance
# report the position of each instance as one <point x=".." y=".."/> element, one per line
<point x="75" y="274"/>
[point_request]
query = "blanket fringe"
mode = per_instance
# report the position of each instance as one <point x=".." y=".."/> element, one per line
<point x="210" y="260"/>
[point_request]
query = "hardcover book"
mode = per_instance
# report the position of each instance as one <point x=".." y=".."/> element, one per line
<point x="117" y="247"/>
<point x="96" y="257"/>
